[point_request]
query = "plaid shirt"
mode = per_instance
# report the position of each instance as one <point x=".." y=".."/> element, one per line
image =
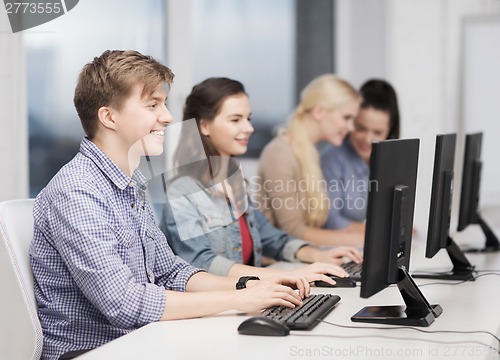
<point x="101" y="265"/>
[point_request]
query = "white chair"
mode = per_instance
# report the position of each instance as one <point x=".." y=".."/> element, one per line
<point x="20" y="331"/>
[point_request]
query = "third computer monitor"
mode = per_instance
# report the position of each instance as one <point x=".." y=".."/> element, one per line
<point x="389" y="223"/>
<point x="469" y="198"/>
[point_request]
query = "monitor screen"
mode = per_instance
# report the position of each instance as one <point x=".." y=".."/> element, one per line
<point x="441" y="194"/>
<point x="469" y="197"/>
<point x="389" y="223"/>
<point x="393" y="174"/>
<point x="440" y="212"/>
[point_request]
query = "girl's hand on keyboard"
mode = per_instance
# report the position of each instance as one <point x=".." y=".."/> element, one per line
<point x="336" y="255"/>
<point x="317" y="271"/>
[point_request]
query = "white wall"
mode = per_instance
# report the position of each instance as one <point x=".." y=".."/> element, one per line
<point x="360" y="39"/>
<point x="481" y="95"/>
<point x="179" y="57"/>
<point x="415" y="44"/>
<point x="420" y="54"/>
<point x="13" y="122"/>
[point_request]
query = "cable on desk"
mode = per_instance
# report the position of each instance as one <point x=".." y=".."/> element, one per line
<point x="431" y="272"/>
<point x="420" y="330"/>
<point x="358" y="285"/>
<point x="433" y="341"/>
<point x="459" y="282"/>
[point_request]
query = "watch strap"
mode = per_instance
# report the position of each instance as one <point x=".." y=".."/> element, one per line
<point x="242" y="282"/>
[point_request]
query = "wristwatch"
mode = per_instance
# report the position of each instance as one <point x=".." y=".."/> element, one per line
<point x="242" y="282"/>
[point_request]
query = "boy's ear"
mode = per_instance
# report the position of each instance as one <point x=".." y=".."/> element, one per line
<point x="105" y="116"/>
<point x="204" y="130"/>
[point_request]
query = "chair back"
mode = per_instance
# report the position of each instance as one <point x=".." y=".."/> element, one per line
<point x="20" y="331"/>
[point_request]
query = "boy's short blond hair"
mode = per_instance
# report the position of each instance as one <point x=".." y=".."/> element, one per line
<point x="109" y="79"/>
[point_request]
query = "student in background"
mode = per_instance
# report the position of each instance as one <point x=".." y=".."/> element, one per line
<point x="292" y="190"/>
<point x="346" y="168"/>
<point x="209" y="220"/>
<point x="102" y="267"/>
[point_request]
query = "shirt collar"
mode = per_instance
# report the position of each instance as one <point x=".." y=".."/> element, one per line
<point x="348" y="145"/>
<point x="139" y="179"/>
<point x="116" y="175"/>
<point x="359" y="166"/>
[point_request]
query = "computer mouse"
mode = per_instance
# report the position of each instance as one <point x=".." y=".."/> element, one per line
<point x="260" y="325"/>
<point x="340" y="282"/>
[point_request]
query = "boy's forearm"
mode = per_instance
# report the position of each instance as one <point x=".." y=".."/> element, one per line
<point x="203" y="281"/>
<point x="239" y="270"/>
<point x="185" y="305"/>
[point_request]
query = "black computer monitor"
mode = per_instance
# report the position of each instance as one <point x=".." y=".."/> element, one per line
<point x="389" y="223"/>
<point x="438" y="236"/>
<point x="469" y="197"/>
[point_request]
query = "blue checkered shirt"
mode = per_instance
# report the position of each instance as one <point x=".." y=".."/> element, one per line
<point x="101" y="265"/>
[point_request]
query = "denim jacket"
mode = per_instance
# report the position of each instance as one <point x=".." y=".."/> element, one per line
<point x="199" y="228"/>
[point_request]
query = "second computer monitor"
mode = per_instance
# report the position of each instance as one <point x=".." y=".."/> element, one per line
<point x="441" y="194"/>
<point x="439" y="214"/>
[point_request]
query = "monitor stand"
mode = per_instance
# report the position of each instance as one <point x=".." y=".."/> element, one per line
<point x="462" y="268"/>
<point x="492" y="243"/>
<point x="417" y="312"/>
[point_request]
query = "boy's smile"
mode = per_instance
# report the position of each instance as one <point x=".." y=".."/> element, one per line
<point x="141" y="122"/>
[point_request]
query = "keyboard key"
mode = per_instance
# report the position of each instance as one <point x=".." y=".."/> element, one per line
<point x="306" y="316"/>
<point x="353" y="269"/>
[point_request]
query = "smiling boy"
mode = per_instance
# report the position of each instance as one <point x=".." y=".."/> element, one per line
<point x="102" y="267"/>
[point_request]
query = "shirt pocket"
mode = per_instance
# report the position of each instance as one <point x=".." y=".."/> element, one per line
<point x="212" y="215"/>
<point x="213" y="222"/>
<point x="126" y="236"/>
<point x="129" y="248"/>
<point x="217" y="240"/>
<point x="156" y="240"/>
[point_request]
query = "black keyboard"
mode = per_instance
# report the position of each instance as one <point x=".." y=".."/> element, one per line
<point x="306" y="316"/>
<point x="353" y="269"/>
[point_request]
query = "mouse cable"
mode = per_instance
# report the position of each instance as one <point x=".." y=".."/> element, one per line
<point x="432" y="341"/>
<point x="459" y="282"/>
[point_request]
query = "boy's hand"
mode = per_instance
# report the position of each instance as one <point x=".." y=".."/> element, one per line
<point x="275" y="291"/>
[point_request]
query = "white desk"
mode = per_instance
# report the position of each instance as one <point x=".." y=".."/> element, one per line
<point x="468" y="306"/>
